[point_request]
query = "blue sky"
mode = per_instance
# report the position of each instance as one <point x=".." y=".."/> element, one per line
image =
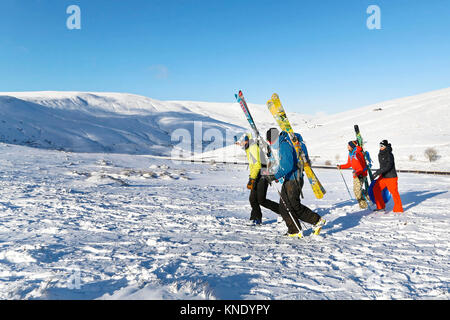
<point x="319" y="56"/>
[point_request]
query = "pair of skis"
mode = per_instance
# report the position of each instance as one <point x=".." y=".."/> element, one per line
<point x="261" y="142"/>
<point x="275" y="107"/>
<point x="368" y="192"/>
<point x="258" y="138"/>
<point x="366" y="156"/>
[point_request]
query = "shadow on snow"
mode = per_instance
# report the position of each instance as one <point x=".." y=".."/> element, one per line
<point x="351" y="220"/>
<point x="414" y="198"/>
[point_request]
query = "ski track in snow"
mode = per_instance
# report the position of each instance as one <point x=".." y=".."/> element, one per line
<point x="104" y="226"/>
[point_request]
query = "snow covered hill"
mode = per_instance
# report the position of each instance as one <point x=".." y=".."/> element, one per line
<point x="411" y="124"/>
<point x="99" y="122"/>
<point x="125" y="123"/>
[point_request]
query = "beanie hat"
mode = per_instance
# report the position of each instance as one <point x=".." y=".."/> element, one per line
<point x="272" y="134"/>
<point x="384" y="143"/>
<point x="353" y="144"/>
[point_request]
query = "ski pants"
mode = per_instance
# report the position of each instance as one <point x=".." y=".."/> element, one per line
<point x="258" y="198"/>
<point x="291" y="208"/>
<point x="358" y="184"/>
<point x="392" y="185"/>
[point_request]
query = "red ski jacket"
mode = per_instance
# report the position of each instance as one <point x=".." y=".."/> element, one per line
<point x="357" y="162"/>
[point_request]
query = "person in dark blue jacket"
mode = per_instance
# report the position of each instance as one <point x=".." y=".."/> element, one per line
<point x="291" y="209"/>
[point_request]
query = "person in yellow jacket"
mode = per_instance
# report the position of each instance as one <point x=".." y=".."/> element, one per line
<point x="257" y="185"/>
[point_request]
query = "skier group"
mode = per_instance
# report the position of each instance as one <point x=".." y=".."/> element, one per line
<point x="283" y="157"/>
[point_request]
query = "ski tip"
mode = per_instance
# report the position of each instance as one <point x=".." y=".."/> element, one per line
<point x="275" y="96"/>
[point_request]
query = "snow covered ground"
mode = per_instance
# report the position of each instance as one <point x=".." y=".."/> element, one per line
<point x="102" y="222"/>
<point x="117" y="226"/>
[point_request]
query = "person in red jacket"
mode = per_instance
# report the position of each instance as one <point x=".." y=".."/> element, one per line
<point x="358" y="164"/>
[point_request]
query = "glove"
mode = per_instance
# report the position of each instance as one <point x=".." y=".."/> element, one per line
<point x="270" y="178"/>
<point x="251" y="184"/>
<point x="376" y="174"/>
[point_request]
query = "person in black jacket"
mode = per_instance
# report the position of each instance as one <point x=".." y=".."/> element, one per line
<point x="387" y="178"/>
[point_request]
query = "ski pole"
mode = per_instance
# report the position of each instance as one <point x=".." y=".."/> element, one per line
<point x="340" y="171"/>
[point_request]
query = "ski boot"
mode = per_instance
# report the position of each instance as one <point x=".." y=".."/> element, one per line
<point x="298" y="235"/>
<point x="256" y="222"/>
<point x="318" y="226"/>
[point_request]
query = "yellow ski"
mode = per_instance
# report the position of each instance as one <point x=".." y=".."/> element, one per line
<point x="276" y="108"/>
